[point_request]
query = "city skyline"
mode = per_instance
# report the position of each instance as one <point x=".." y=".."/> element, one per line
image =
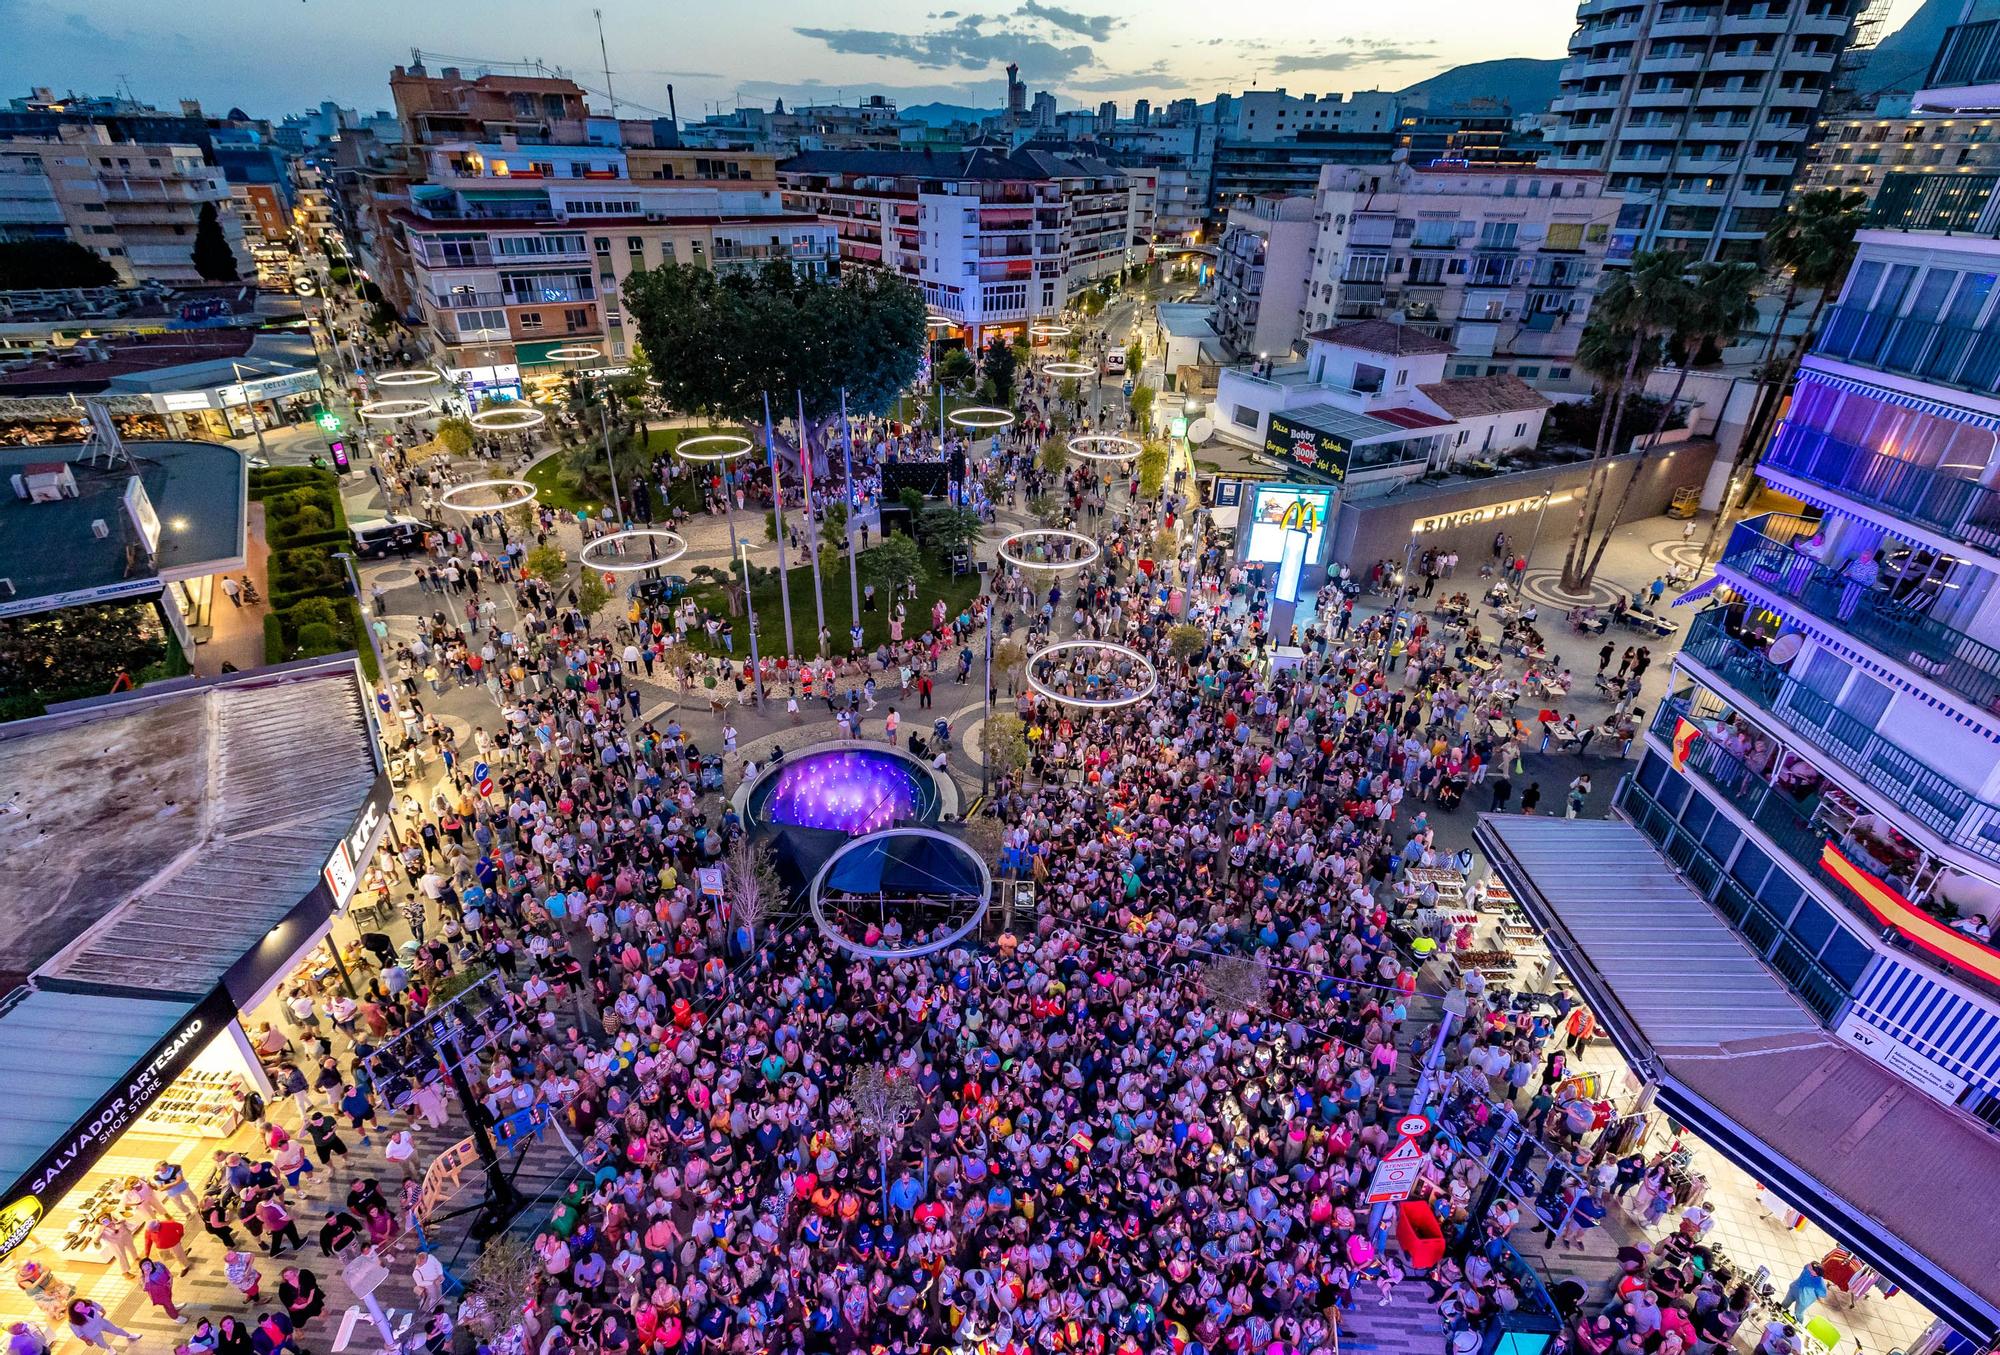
<point x="915" y="51"/>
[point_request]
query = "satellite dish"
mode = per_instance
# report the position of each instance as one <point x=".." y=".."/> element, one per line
<point x="1785" y="648"/>
<point x="1201" y="430"/>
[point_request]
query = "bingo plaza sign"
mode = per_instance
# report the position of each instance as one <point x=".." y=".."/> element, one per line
<point x="1308" y="449"/>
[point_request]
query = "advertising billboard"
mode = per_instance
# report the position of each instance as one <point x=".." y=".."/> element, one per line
<point x="1308" y="449"/>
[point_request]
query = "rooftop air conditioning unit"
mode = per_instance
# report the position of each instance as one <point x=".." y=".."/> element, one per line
<point x="99" y="528"/>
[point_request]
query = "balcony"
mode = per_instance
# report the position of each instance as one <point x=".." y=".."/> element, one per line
<point x="467" y="300"/>
<point x="1931" y="650"/>
<point x="1799" y="829"/>
<point x="1954" y="813"/>
<point x="1963" y="356"/>
<point x="1963" y="510"/>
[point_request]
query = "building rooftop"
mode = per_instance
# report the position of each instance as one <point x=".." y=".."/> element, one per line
<point x="156" y="837"/>
<point x="91" y="366"/>
<point x="1341" y="423"/>
<point x="1467" y="397"/>
<point x="1381" y="336"/>
<point x="53" y="557"/>
<point x="977" y="164"/>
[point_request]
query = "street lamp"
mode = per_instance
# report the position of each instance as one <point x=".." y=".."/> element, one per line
<point x="750" y="608"/>
<point x="250" y="405"/>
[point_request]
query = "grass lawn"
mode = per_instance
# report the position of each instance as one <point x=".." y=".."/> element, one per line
<point x="558" y="490"/>
<point x="874" y="625"/>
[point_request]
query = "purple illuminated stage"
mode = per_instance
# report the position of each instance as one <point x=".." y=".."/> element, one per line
<point x="848" y="790"/>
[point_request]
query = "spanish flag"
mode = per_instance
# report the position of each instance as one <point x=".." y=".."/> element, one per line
<point x="1893" y="910"/>
<point x="1686" y="732"/>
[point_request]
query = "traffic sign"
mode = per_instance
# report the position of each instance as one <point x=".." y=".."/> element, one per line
<point x="485" y="785"/>
<point x="479" y="771"/>
<point x="1396" y="1177"/>
<point x="1413" y="1125"/>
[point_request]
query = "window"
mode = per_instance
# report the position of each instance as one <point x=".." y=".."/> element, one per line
<point x="1520" y="430"/>
<point x="1465" y="369"/>
<point x="1244" y="415"/>
<point x="1564" y="235"/>
<point x="577" y="317"/>
<point x="1498" y="234"/>
<point x="1527" y="373"/>
<point x="1558" y="373"/>
<point x="635" y="243"/>
<point x="602" y="244"/>
<point x="531" y="319"/>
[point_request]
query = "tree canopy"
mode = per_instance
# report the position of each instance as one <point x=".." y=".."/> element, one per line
<point x="213" y="258"/>
<point x="30" y="264"/>
<point x="719" y="342"/>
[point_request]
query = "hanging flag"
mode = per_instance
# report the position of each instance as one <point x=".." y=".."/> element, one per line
<point x="1686" y="732"/>
<point x="1893" y="910"/>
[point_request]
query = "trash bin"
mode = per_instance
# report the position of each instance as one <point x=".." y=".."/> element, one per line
<point x="1419" y="1234"/>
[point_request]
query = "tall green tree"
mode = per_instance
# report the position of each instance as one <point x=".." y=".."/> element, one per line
<point x="213" y="258"/>
<point x="1813" y="245"/>
<point x="1719" y="301"/>
<point x="1643" y="303"/>
<point x="30" y="264"/>
<point x="1000" y="364"/>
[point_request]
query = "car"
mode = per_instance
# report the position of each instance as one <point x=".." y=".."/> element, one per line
<point x="1114" y="362"/>
<point x="379" y="538"/>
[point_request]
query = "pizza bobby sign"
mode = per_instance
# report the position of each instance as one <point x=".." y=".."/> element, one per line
<point x="1306" y="448"/>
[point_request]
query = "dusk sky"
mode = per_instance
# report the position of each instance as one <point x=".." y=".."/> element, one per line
<point x="277" y="56"/>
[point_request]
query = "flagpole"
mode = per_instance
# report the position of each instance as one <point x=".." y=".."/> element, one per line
<point x="778" y="518"/>
<point x="853" y="509"/>
<point x="812" y="525"/>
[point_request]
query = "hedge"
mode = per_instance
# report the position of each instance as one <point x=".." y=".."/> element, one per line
<point x="312" y="611"/>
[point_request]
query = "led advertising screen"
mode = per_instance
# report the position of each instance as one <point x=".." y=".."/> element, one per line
<point x="1275" y="509"/>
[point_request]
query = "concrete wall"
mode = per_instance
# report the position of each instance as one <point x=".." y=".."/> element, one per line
<point x="1375" y="529"/>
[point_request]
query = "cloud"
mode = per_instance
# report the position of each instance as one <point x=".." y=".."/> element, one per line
<point x="1348" y="53"/>
<point x="967" y="45"/>
<point x="1154" y="76"/>
<point x="1096" y="27"/>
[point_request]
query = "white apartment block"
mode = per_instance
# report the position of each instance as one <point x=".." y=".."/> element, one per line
<point x="136" y="205"/>
<point x="1499" y="262"/>
<point x="1697" y="111"/>
<point x="993" y="240"/>
<point x="1261" y="269"/>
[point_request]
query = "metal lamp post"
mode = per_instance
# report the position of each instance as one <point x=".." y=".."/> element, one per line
<point x="750" y="608"/>
<point x="256" y="425"/>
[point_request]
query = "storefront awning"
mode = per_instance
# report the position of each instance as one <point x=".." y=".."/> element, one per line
<point x="1899" y="1177"/>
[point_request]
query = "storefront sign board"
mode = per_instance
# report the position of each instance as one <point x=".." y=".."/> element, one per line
<point x="1879" y="1045"/>
<point x="1309" y="449"/>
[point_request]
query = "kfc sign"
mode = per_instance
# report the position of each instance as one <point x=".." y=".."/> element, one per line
<point x="343" y="867"/>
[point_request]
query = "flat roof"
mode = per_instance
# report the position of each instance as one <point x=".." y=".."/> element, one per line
<point x="51" y="553"/>
<point x="1901" y="1178"/>
<point x="154" y="839"/>
<point x="59" y="1053"/>
<point x="1340" y="423"/>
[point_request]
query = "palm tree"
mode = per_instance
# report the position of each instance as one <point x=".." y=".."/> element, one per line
<point x="1813" y="242"/>
<point x="1643" y="303"/>
<point x="1721" y="299"/>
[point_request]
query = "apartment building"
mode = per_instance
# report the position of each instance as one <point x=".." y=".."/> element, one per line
<point x="993" y="240"/>
<point x="135" y="204"/>
<point x="1699" y="112"/>
<point x="1500" y="262"/>
<point x="1928" y="170"/>
<point x="1262" y="263"/>
<point x="522" y="248"/>
<point x="1827" y="767"/>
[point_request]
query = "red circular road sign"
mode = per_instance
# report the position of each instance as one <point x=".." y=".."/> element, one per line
<point x="486" y="786"/>
<point x="1410" y="1126"/>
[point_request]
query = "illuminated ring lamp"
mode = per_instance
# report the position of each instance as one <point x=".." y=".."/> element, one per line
<point x="575" y="352"/>
<point x="728" y="446"/>
<point x="678" y="548"/>
<point x="416" y="376"/>
<point x="1048" y="331"/>
<point x="654" y="382"/>
<point x="1021" y="563"/>
<point x="1126" y="448"/>
<point x="525" y="496"/>
<point x="1042" y="688"/>
<point x="939" y="322"/>
<point x="1064" y="371"/>
<point x="388" y="410"/>
<point x="981" y="417"/>
<point x="833" y="932"/>
<point x="508" y="419"/>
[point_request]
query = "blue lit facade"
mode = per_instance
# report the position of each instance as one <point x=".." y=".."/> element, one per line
<point x="1845" y="678"/>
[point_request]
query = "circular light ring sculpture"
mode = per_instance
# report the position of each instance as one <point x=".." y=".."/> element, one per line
<point x="1084" y="556"/>
<point x="415" y="376"/>
<point x="508" y="418"/>
<point x="625" y="565"/>
<point x="396" y="409"/>
<point x="654" y="382"/>
<point x="524" y="493"/>
<point x="1064" y="371"/>
<point x="829" y="928"/>
<point x="939" y="322"/>
<point x="1123" y="449"/>
<point x="575" y="352"/>
<point x="1048" y="331"/>
<point x="981" y="417"/>
<point x="714" y="447"/>
<point x="1132" y="694"/>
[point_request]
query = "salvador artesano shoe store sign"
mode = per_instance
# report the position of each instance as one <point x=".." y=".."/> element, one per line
<point x="63" y="1166"/>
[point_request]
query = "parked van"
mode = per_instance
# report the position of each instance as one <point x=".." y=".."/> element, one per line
<point x="379" y="538"/>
